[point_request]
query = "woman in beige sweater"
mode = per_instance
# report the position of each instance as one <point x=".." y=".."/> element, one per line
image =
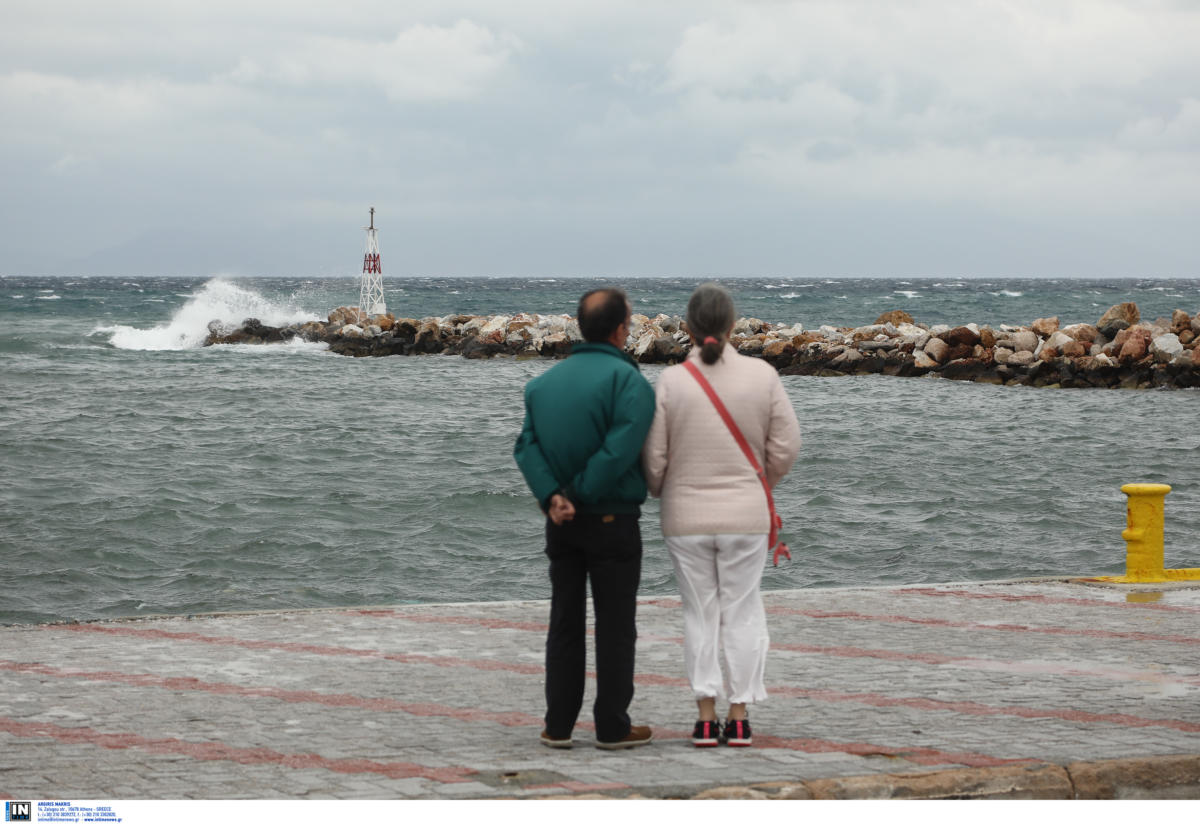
<point x="715" y="516"/>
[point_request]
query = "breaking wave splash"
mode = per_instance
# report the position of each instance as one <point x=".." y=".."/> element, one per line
<point x="219" y="300"/>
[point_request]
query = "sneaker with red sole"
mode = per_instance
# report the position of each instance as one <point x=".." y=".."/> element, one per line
<point x="737" y="733"/>
<point x="706" y="734"/>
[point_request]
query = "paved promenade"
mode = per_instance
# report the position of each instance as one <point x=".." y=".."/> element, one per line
<point x="991" y="690"/>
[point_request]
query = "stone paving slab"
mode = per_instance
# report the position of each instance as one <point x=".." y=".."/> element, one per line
<point x="1005" y="689"/>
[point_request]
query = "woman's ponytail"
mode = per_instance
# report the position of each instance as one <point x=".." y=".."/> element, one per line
<point x="710" y="316"/>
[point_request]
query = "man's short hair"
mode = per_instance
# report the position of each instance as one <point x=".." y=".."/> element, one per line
<point x="598" y="321"/>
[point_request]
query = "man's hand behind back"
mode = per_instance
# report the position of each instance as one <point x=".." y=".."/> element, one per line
<point x="561" y="510"/>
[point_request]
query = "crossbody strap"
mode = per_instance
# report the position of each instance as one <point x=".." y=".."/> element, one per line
<point x="773" y="542"/>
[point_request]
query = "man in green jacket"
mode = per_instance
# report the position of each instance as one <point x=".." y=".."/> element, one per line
<point x="580" y="453"/>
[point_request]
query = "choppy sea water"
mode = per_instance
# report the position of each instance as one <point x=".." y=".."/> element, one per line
<point x="141" y="473"/>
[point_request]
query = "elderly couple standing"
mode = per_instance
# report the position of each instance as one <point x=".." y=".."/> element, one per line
<point x="596" y="438"/>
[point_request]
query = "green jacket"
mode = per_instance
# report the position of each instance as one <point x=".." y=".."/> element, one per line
<point x="585" y="422"/>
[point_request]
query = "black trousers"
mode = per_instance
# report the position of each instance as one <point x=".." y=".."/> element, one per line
<point x="607" y="549"/>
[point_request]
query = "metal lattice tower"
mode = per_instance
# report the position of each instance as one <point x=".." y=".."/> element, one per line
<point x="370" y="296"/>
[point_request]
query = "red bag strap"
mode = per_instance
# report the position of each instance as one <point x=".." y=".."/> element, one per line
<point x="773" y="541"/>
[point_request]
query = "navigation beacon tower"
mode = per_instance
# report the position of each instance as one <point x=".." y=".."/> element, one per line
<point x="370" y="296"/>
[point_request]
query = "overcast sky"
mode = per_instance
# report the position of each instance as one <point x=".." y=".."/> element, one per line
<point x="554" y="138"/>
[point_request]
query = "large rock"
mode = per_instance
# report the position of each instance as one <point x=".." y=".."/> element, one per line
<point x="1136" y="345"/>
<point x="1166" y="348"/>
<point x="960" y="335"/>
<point x="495" y="330"/>
<point x="1058" y="340"/>
<point x="1118" y="317"/>
<point x="960" y="351"/>
<point x="1044" y="327"/>
<point x="1180" y="320"/>
<point x="867" y="332"/>
<point x="1073" y="349"/>
<point x="1021" y="357"/>
<point x="745" y="326"/>
<point x="667" y="350"/>
<point x="778" y="347"/>
<point x="895" y="317"/>
<point x="1082" y="332"/>
<point x="937" y="349"/>
<point x="1024" y="340"/>
<point x="922" y="360"/>
<point x="346" y="315"/>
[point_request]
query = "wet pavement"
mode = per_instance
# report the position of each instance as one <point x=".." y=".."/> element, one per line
<point x="445" y="701"/>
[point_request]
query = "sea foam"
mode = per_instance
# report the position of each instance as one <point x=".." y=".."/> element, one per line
<point x="219" y="299"/>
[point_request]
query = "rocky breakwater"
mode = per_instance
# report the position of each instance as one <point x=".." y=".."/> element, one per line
<point x="1119" y="351"/>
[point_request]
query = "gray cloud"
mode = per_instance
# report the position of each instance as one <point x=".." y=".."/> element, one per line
<point x="720" y="138"/>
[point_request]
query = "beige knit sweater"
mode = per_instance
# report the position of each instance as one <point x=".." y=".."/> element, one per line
<point x="692" y="461"/>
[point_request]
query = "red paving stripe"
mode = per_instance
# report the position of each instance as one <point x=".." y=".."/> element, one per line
<point x="933" y="659"/>
<point x="508" y="719"/>
<point x="990" y="664"/>
<point x="312" y="649"/>
<point x="512" y="719"/>
<point x="215" y="751"/>
<point x="649" y="679"/>
<point x="1044" y="599"/>
<point x="974" y="708"/>
<point x="973" y="625"/>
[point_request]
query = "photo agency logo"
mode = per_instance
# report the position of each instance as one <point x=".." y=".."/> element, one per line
<point x="18" y="811"/>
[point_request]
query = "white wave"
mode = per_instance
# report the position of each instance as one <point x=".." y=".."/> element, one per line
<point x="219" y="300"/>
<point x="908" y="293"/>
<point x="49" y="297"/>
<point x="1006" y="293"/>
<point x="16" y="297"/>
<point x="790" y="295"/>
<point x="295" y="346"/>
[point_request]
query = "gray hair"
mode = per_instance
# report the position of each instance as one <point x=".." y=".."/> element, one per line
<point x="710" y="314"/>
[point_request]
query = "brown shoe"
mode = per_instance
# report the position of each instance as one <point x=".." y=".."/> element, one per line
<point x="636" y="738"/>
<point x="556" y="743"/>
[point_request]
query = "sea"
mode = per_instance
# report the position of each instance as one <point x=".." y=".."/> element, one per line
<point x="142" y="473"/>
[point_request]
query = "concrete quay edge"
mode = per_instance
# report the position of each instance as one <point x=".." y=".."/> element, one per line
<point x="1156" y="777"/>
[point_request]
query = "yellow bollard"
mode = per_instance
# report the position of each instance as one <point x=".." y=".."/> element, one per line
<point x="1143" y="534"/>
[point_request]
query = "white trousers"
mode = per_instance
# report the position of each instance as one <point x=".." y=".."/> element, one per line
<point x="718" y="577"/>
